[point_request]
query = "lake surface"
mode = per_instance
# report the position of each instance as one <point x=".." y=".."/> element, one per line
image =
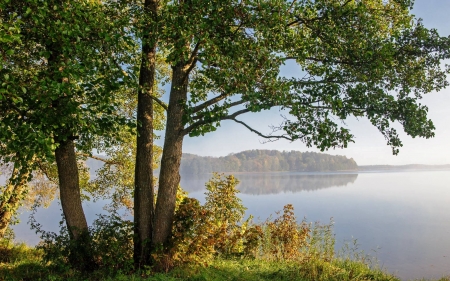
<point x="401" y="217"/>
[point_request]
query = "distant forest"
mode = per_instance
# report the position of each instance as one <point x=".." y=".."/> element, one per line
<point x="266" y="161"/>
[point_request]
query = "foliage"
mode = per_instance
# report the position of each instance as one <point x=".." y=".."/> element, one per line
<point x="368" y="59"/>
<point x="58" y="78"/>
<point x="215" y="229"/>
<point x="286" y="237"/>
<point x="12" y="252"/>
<point x="225" y="211"/>
<point x="62" y="80"/>
<point x="110" y="240"/>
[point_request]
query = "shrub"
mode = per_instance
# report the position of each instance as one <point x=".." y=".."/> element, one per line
<point x="17" y="252"/>
<point x="109" y="239"/>
<point x="284" y="238"/>
<point x="202" y="232"/>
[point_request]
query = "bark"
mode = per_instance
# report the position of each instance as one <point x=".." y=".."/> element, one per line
<point x="143" y="189"/>
<point x="81" y="255"/>
<point x="169" y="177"/>
<point x="69" y="186"/>
<point x="13" y="194"/>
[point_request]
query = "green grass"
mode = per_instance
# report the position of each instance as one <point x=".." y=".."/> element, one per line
<point x="20" y="262"/>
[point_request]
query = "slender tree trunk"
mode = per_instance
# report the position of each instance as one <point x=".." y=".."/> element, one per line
<point x="66" y="162"/>
<point x="12" y="195"/>
<point x="81" y="255"/>
<point x="169" y="177"/>
<point x="143" y="188"/>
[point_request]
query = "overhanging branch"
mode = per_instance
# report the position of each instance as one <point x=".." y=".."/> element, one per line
<point x="216" y="100"/>
<point x="270" y="137"/>
<point x="204" y="122"/>
<point x="106" y="161"/>
<point x="208" y="103"/>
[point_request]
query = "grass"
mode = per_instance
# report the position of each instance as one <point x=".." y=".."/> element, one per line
<point x="20" y="262"/>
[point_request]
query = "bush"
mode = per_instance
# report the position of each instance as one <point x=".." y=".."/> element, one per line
<point x="109" y="240"/>
<point x="17" y="252"/>
<point x="284" y="237"/>
<point x="216" y="228"/>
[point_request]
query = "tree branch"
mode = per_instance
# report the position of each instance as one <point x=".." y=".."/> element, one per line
<point x="204" y="122"/>
<point x="192" y="60"/>
<point x="45" y="172"/>
<point x="215" y="100"/>
<point x="259" y="133"/>
<point x="208" y="103"/>
<point x="160" y="102"/>
<point x="106" y="161"/>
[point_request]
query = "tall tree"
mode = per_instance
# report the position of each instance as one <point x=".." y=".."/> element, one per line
<point x="367" y="59"/>
<point x="144" y="186"/>
<point x="61" y="71"/>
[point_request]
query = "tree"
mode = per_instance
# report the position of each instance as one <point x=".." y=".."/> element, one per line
<point x="144" y="186"/>
<point x="367" y="59"/>
<point x="61" y="70"/>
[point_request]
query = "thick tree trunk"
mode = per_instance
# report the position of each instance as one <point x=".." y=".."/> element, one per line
<point x="143" y="187"/>
<point x="12" y="195"/>
<point x="81" y="255"/>
<point x="169" y="177"/>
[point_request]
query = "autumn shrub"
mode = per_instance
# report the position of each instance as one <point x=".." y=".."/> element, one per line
<point x="285" y="237"/>
<point x="201" y="233"/>
<point x="225" y="214"/>
<point x="191" y="240"/>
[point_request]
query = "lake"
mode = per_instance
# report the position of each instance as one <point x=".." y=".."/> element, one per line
<point x="400" y="217"/>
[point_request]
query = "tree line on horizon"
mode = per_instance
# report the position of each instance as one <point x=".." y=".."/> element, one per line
<point x="266" y="161"/>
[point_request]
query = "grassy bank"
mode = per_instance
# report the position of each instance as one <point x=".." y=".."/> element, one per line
<point x="20" y="262"/>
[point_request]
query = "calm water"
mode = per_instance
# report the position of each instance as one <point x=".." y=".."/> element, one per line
<point x="402" y="218"/>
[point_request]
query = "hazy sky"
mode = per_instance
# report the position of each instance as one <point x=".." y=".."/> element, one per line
<point x="370" y="146"/>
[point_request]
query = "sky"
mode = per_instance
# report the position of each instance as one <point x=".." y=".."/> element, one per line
<point x="370" y="146"/>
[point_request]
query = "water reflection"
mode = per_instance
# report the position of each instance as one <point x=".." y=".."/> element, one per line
<point x="274" y="183"/>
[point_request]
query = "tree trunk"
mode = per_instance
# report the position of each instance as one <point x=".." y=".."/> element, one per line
<point x="169" y="177"/>
<point x="81" y="255"/>
<point x="12" y="195"/>
<point x="143" y="187"/>
<point x="66" y="162"/>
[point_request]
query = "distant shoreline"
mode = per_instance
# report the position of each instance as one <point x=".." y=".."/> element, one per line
<point x="421" y="167"/>
<point x="362" y="168"/>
